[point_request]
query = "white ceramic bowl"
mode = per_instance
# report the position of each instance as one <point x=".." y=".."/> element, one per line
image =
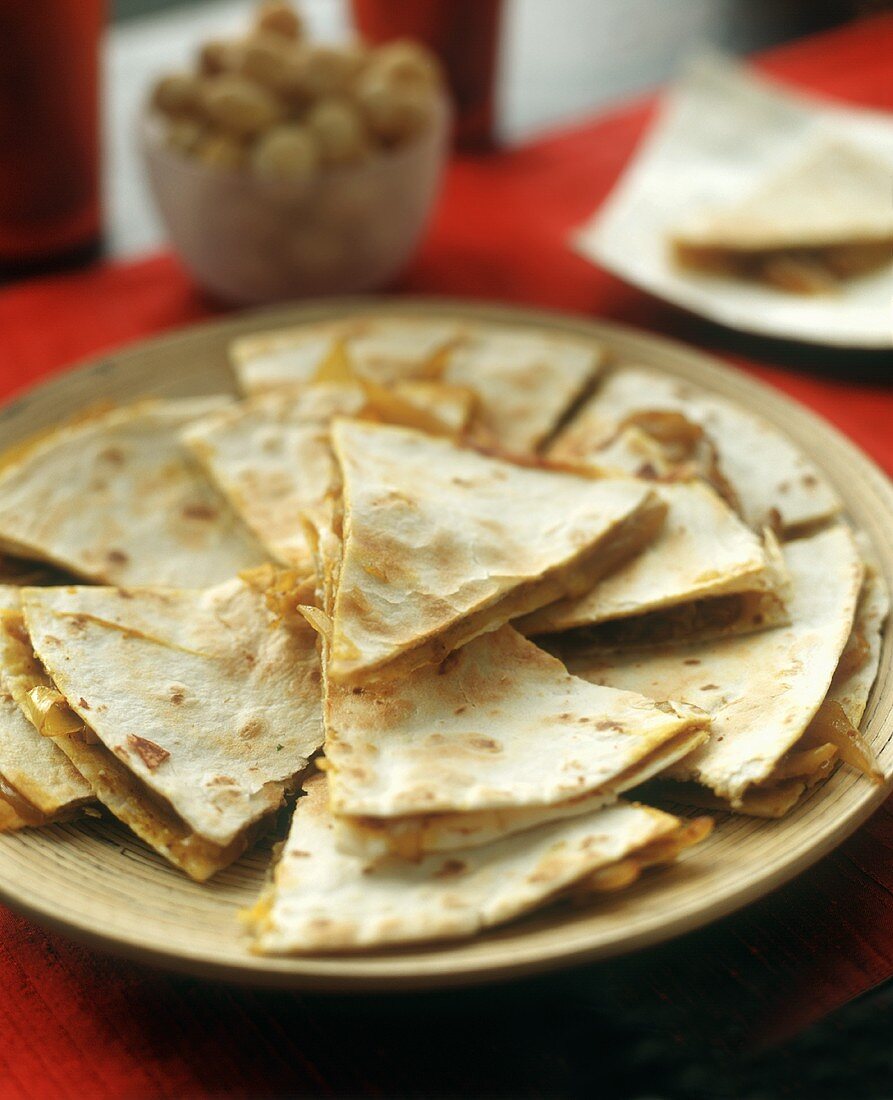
<point x="250" y="241"/>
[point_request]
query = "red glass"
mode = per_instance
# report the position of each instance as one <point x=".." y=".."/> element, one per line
<point x="49" y="132"/>
<point x="465" y="36"/>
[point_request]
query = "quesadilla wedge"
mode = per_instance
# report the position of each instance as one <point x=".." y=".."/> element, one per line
<point x="522" y="381"/>
<point x="385" y="349"/>
<point x="270" y="455"/>
<point x="702" y="550"/>
<point x="762" y="691"/>
<point x="761" y="606"/>
<point x="495" y="739"/>
<point x="191" y="712"/>
<point x="772" y="483"/>
<point x="115" y="498"/>
<point x="525" y="380"/>
<point x="860" y="660"/>
<point x="823" y="219"/>
<point x="441" y="544"/>
<point x="322" y="900"/>
<point x="38" y="784"/>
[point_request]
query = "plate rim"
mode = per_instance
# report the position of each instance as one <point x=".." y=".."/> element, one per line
<point x="345" y="972"/>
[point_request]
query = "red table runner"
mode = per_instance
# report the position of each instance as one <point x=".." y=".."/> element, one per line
<point x="75" y="1024"/>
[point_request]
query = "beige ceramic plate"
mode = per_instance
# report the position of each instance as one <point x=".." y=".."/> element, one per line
<point x="95" y="881"/>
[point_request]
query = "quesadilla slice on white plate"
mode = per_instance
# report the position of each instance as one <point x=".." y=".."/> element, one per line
<point x="38" y="783"/>
<point x="190" y="712"/>
<point x="703" y="550"/>
<point x="323" y="900"/>
<point x="772" y="482"/>
<point x="115" y="498"/>
<point x="763" y="691"/>
<point x="822" y="219"/>
<point x="495" y="739"/>
<point x="525" y="380"/>
<point x="384" y="349"/>
<point x="441" y="543"/>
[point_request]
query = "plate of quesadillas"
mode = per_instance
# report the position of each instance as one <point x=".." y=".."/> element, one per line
<point x="363" y="645"/>
<point x="759" y="207"/>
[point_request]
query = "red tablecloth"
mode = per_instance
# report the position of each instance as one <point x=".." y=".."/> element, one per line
<point x="73" y="1024"/>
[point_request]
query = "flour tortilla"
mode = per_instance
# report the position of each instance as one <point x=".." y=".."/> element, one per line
<point x="833" y="193"/>
<point x="775" y="485"/>
<point x="442" y="544"/>
<point x="271" y="458"/>
<point x="762" y="691"/>
<point x="384" y="349"/>
<point x="525" y="380"/>
<point x="702" y="550"/>
<point x="500" y="725"/>
<point x="113" y="784"/>
<point x="270" y="455"/>
<point x="322" y="900"/>
<point x="208" y="698"/>
<point x="38" y="785"/>
<point x="114" y="498"/>
<point x="851" y="690"/>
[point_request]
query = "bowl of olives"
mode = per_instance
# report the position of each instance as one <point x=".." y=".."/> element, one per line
<point x="284" y="168"/>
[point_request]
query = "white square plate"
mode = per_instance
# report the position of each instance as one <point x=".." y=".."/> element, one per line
<point x="721" y="133"/>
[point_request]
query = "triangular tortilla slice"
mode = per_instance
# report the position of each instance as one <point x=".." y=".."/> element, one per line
<point x="774" y="484"/>
<point x="823" y="218"/>
<point x="384" y="349"/>
<point x="859" y="663"/>
<point x="499" y="726"/>
<point x="761" y="605"/>
<point x="525" y="380"/>
<point x="204" y="704"/>
<point x="702" y="550"/>
<point x="322" y="900"/>
<point x="763" y="690"/>
<point x="115" y="498"/>
<point x="270" y="455"/>
<point x="38" y="784"/>
<point x="441" y="544"/>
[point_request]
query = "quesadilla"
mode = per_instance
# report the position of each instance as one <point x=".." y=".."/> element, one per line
<point x="860" y="660"/>
<point x="522" y="381"/>
<point x="322" y="900"/>
<point x="823" y="219"/>
<point x="525" y="380"/>
<point x="498" y="726"/>
<point x="270" y="455"/>
<point x="702" y="550"/>
<point x="441" y="544"/>
<point x="38" y="784"/>
<point x="115" y="498"/>
<point x="190" y="712"/>
<point x="385" y="349"/>
<point x="773" y="484"/>
<point x="762" y="691"/>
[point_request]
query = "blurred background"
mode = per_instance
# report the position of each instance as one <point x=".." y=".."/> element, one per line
<point x="558" y="60"/>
